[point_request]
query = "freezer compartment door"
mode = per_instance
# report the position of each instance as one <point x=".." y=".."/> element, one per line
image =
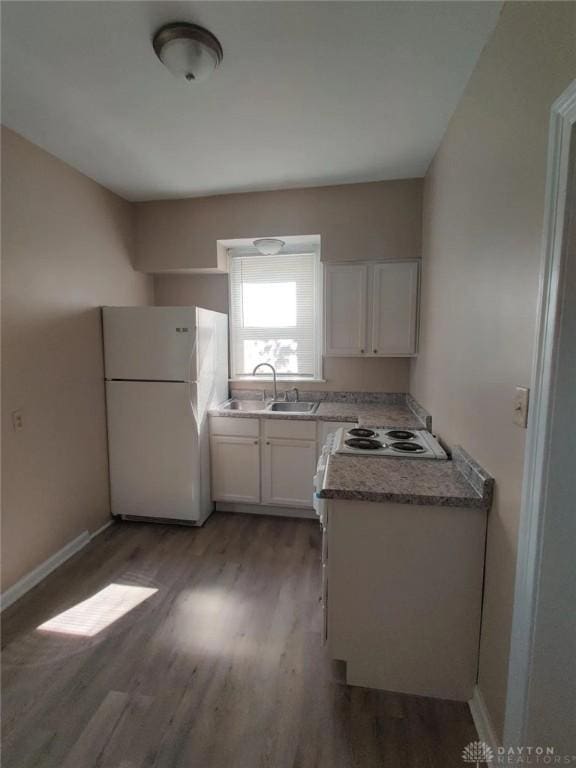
<point x="150" y="343"/>
<point x="154" y="447"/>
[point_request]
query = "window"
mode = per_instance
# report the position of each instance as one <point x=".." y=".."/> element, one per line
<point x="275" y="314"/>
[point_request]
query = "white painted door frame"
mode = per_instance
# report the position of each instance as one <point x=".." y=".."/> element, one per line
<point x="540" y="438"/>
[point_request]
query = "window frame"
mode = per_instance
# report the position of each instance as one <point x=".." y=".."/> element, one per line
<point x="318" y="313"/>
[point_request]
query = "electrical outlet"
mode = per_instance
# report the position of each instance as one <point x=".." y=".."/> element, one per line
<point x="17" y="421"/>
<point x="521" y="399"/>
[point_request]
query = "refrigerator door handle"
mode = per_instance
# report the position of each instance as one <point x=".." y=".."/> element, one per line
<point x="192" y="400"/>
<point x="192" y="396"/>
<point x="191" y="357"/>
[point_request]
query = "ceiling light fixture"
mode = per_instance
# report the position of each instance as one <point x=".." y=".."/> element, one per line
<point x="269" y="246"/>
<point x="188" y="50"/>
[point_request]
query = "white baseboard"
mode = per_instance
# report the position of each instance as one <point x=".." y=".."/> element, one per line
<point x="32" y="579"/>
<point x="28" y="582"/>
<point x="482" y="721"/>
<point x="102" y="529"/>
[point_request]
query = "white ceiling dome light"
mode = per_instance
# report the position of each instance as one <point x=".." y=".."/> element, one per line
<point x="269" y="246"/>
<point x="187" y="50"/>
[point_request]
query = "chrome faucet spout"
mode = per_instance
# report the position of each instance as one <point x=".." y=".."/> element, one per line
<point x="273" y="376"/>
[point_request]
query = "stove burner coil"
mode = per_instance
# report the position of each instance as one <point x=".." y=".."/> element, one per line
<point x="404" y="447"/>
<point x="400" y="434"/>
<point x="360" y="432"/>
<point x="365" y="443"/>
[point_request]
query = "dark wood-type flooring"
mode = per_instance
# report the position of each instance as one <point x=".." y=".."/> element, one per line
<point x="221" y="667"/>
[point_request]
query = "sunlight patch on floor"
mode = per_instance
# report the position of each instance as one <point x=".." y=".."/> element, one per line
<point x="91" y="616"/>
<point x="207" y="620"/>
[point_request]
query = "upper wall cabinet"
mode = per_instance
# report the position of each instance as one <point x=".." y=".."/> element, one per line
<point x="394" y="308"/>
<point x="345" y="300"/>
<point x="371" y="309"/>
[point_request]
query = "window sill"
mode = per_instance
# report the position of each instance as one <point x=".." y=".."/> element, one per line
<point x="279" y="380"/>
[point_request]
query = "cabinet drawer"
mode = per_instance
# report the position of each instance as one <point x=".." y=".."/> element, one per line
<point x="293" y="429"/>
<point x="224" y="425"/>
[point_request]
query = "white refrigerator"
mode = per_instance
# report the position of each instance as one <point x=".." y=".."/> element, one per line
<point x="164" y="368"/>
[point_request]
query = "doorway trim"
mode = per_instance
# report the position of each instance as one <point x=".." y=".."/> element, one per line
<point x="539" y="438"/>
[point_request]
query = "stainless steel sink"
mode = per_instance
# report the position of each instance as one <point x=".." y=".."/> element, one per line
<point x="293" y="407"/>
<point x="244" y="405"/>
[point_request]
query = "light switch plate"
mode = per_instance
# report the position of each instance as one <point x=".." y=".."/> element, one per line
<point x="521" y="399"/>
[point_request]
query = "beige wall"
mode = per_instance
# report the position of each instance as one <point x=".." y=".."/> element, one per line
<point x="66" y="249"/>
<point x="356" y="221"/>
<point x="368" y="375"/>
<point x="209" y="291"/>
<point x="483" y="214"/>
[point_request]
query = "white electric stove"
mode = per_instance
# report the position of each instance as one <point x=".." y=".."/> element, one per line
<point x="391" y="443"/>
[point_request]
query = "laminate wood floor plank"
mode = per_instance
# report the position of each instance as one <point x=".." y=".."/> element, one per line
<point x="222" y="666"/>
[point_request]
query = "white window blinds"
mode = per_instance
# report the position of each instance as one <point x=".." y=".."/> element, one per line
<point x="275" y="314"/>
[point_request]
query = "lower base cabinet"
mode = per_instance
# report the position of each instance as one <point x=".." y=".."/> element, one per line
<point x="269" y="462"/>
<point x="402" y="595"/>
<point x="235" y="469"/>
<point x="288" y="468"/>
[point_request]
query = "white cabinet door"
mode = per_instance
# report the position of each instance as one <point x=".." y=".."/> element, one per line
<point x="346" y="310"/>
<point x="288" y="468"/>
<point x="394" y="313"/>
<point x="235" y="469"/>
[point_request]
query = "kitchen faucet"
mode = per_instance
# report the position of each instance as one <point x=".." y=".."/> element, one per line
<point x="273" y="375"/>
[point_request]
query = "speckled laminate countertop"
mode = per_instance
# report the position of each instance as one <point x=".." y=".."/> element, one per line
<point x="370" y="414"/>
<point x="366" y="414"/>
<point x="460" y="482"/>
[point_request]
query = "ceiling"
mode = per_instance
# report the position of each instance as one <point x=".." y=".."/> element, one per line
<point x="309" y="93"/>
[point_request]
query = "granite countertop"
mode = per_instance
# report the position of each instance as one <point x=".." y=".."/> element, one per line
<point x="459" y="482"/>
<point x="373" y="413"/>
